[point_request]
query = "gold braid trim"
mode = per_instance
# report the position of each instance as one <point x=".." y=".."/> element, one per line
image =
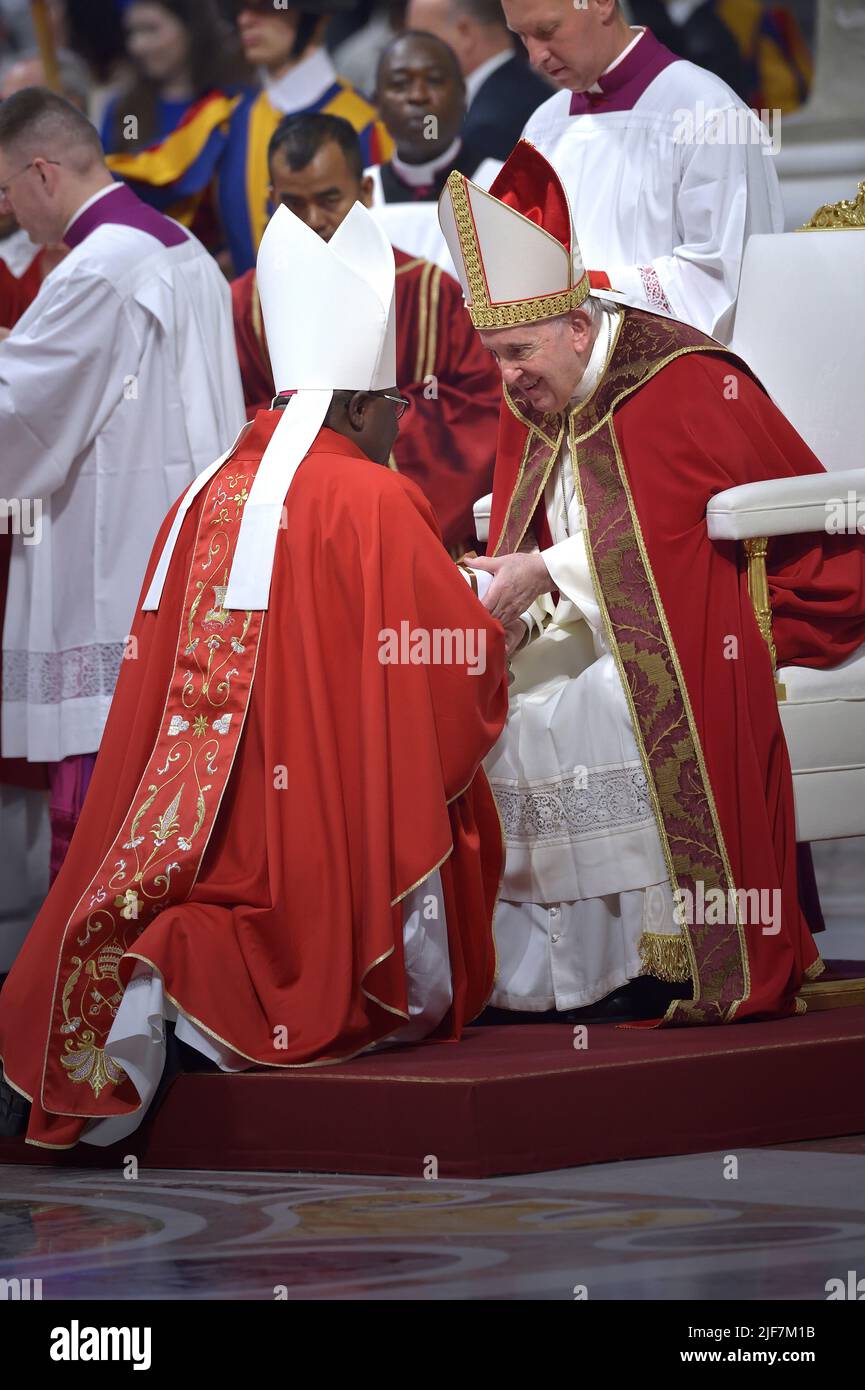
<point x="530" y="310"/>
<point x="432" y="338"/>
<point x="815" y="969"/>
<point x="258" y="323"/>
<point x="665" y="957"/>
<point x="423" y="318"/>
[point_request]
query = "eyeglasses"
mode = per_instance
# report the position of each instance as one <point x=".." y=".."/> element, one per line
<point x="400" y="402"/>
<point x="4" y="187"/>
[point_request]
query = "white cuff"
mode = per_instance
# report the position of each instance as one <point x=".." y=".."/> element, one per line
<point x="568" y="564"/>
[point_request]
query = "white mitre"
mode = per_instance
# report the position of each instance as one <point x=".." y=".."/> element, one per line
<point x="328" y="306"/>
<point x="514" y="246"/>
<point x="329" y="316"/>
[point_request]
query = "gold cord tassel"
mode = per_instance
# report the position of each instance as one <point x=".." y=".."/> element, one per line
<point x="665" y="957"/>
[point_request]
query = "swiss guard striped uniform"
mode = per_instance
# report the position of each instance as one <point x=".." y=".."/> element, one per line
<point x="224" y="139"/>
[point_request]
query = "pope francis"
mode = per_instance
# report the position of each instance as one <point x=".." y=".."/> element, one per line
<point x="643" y="778"/>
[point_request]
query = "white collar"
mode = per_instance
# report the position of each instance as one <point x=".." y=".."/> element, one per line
<point x="303" y="85"/>
<point x="615" y="63"/>
<point x="598" y="357"/>
<point x="94" y="198"/>
<point x="416" y="175"/>
<point x="476" y="79"/>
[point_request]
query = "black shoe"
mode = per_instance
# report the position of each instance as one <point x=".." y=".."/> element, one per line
<point x="653" y="997"/>
<point x="14" y="1110"/>
<point x="642" y="998"/>
<point x="180" y="1060"/>
<point x="618" y="1007"/>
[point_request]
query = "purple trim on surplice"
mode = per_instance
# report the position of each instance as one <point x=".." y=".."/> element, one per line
<point x="622" y="88"/>
<point x="122" y="208"/>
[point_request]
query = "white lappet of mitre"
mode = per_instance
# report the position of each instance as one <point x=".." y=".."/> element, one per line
<point x="329" y="317"/>
<point x="514" y="247"/>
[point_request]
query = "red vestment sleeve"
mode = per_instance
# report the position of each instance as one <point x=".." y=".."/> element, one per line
<point x="256" y="374"/>
<point x="14" y="297"/>
<point x="447" y="440"/>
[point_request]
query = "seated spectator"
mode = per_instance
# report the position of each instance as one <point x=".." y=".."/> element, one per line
<point x="421" y="94"/>
<point x="502" y="90"/>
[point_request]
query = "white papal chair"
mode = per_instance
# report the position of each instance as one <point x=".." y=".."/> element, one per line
<point x="800" y="326"/>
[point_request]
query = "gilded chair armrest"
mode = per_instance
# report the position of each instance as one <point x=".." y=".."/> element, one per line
<point x="830" y="502"/>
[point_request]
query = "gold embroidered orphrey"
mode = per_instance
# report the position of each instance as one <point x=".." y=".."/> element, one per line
<point x="154" y="859"/>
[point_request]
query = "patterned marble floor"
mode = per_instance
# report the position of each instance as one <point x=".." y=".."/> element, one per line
<point x="672" y="1228"/>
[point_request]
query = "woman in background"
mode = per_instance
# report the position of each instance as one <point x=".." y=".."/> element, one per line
<point x="182" y="52"/>
<point x="165" y="133"/>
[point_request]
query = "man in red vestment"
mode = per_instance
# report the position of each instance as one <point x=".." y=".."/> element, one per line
<point x="289" y="849"/>
<point x="446" y="443"/>
<point x="643" y="777"/>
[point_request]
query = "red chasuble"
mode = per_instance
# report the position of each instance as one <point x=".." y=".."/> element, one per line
<point x="267" y="792"/>
<point x="447" y="439"/>
<point x="17" y="292"/>
<point x="16" y="295"/>
<point x="674" y="420"/>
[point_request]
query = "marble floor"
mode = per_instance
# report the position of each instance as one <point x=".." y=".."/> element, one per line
<point x="755" y="1225"/>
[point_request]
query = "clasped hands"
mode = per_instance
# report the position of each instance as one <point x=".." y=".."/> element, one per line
<point x="518" y="580"/>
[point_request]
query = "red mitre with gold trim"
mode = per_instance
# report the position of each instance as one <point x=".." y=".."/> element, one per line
<point x="514" y="247"/>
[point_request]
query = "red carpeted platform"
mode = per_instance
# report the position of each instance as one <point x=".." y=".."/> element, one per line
<point x="513" y="1099"/>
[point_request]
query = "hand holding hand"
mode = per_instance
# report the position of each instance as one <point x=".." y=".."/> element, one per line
<point x="517" y="581"/>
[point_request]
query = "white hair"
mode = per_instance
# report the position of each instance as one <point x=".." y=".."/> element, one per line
<point x="592" y="306"/>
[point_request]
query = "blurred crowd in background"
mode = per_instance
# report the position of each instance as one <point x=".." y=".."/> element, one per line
<point x="173" y="85"/>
